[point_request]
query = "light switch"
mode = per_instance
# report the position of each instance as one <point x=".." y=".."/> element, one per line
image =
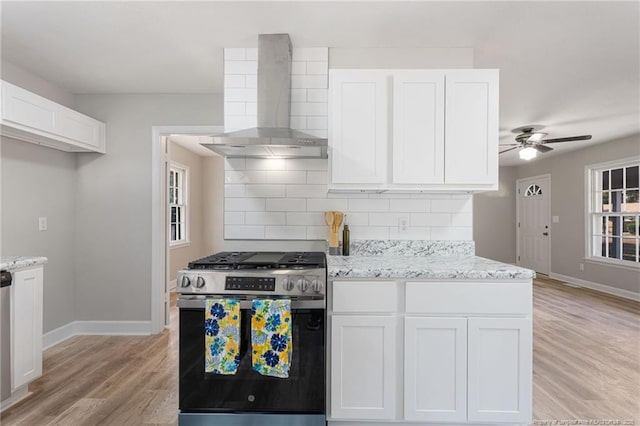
<point x="555" y="219"/>
<point x="42" y="223"/>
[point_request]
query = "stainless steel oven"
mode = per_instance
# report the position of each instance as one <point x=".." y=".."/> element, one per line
<point x="247" y="397"/>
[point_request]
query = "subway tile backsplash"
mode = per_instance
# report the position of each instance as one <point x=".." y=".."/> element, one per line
<point x="285" y="200"/>
<point x="277" y="199"/>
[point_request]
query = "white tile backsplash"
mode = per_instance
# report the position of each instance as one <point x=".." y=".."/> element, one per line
<point x="265" y="218"/>
<point x="310" y="54"/>
<point x="286" y="204"/>
<point x="265" y="191"/>
<point x="286" y="176"/>
<point x="306" y="191"/>
<point x="285" y="232"/>
<point x="309" y="82"/>
<point x="314" y="177"/>
<point x="244" y="204"/>
<point x="284" y="199"/>
<point x="316" y="68"/>
<point x="306" y="218"/>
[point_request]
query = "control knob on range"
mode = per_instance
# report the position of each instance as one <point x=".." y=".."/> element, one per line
<point x="185" y="282"/>
<point x="199" y="282"/>
<point x="303" y="284"/>
<point x="316" y="286"/>
<point x="287" y="284"/>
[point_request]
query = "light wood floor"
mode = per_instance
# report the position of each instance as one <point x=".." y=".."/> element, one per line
<point x="586" y="366"/>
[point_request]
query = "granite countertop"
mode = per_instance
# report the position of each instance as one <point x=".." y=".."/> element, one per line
<point x="426" y="267"/>
<point x="10" y="263"/>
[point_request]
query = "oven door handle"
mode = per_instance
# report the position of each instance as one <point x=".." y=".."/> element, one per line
<point x="198" y="302"/>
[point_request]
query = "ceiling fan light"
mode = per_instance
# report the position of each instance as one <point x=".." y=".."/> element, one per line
<point x="528" y="153"/>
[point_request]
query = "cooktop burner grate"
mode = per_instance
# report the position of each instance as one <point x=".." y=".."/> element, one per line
<point x="260" y="261"/>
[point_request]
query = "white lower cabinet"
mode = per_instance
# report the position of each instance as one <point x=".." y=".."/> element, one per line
<point x="500" y="351"/>
<point x="26" y="323"/>
<point x="439" y="357"/>
<point x="363" y="367"/>
<point x="435" y="369"/>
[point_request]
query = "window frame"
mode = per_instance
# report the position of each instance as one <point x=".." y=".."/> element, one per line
<point x="183" y="191"/>
<point x="591" y="212"/>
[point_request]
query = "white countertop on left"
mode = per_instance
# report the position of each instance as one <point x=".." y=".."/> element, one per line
<point x="10" y="263"/>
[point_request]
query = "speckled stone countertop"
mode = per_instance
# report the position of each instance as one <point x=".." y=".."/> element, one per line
<point x="425" y="267"/>
<point x="10" y="263"/>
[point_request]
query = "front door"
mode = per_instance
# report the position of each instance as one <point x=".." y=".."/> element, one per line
<point x="533" y="225"/>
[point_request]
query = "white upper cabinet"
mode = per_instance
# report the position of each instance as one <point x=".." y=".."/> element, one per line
<point x="359" y="119"/>
<point x="436" y="130"/>
<point x="471" y="127"/>
<point x="32" y="118"/>
<point x="418" y="127"/>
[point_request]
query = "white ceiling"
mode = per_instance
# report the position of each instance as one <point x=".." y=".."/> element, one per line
<point x="571" y="66"/>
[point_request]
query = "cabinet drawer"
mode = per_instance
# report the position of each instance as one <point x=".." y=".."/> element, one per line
<point x="365" y="296"/>
<point x="469" y="297"/>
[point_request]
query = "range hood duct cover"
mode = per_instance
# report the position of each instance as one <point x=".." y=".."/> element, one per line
<point x="273" y="137"/>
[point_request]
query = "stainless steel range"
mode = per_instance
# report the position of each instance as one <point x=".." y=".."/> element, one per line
<point x="246" y="397"/>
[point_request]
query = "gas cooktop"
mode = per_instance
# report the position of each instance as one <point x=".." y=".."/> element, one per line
<point x="228" y="260"/>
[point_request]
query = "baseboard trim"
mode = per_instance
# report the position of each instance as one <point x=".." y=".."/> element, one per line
<point x="109" y="328"/>
<point x="572" y="281"/>
<point x="58" y="335"/>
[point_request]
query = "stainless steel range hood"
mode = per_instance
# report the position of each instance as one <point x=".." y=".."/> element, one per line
<point x="273" y="137"/>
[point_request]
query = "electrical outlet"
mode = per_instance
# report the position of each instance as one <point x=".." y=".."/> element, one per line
<point x="555" y="219"/>
<point x="403" y="224"/>
<point x="581" y="266"/>
<point x="42" y="223"/>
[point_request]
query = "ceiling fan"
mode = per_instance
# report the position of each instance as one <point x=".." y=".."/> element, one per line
<point x="531" y="141"/>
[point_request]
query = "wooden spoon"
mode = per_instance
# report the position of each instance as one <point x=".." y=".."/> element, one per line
<point x="328" y="218"/>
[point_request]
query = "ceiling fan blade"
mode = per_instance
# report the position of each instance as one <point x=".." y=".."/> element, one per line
<point x="509" y="144"/>
<point x="507" y="150"/>
<point x="541" y="148"/>
<point x="569" y="139"/>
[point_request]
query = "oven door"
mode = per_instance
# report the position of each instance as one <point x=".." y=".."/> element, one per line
<point x="247" y="390"/>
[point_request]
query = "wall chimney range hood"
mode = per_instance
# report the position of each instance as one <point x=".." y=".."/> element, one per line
<point x="273" y="138"/>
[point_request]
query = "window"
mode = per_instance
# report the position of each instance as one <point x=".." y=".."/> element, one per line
<point x="614" y="212"/>
<point x="178" y="181"/>
<point x="533" y="190"/>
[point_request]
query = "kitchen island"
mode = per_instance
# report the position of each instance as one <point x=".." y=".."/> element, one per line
<point x="426" y="332"/>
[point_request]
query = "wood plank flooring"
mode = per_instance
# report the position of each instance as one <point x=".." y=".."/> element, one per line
<point x="586" y="367"/>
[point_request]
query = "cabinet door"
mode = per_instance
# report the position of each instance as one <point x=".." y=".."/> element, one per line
<point x="28" y="109"/>
<point x="363" y="367"/>
<point x="418" y="127"/>
<point x="358" y="126"/>
<point x="81" y="129"/>
<point x="471" y="127"/>
<point x="435" y="369"/>
<point x="500" y="370"/>
<point x="26" y="322"/>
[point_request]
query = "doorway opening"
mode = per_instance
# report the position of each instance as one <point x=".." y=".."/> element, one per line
<point x="187" y="212"/>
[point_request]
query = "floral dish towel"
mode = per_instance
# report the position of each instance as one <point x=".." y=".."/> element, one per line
<point x="271" y="342"/>
<point x="222" y="336"/>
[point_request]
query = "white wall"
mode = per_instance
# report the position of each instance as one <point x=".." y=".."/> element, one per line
<point x="41" y="182"/>
<point x="113" y="208"/>
<point x="26" y="79"/>
<point x="568" y="202"/>
<point x="494" y="219"/>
